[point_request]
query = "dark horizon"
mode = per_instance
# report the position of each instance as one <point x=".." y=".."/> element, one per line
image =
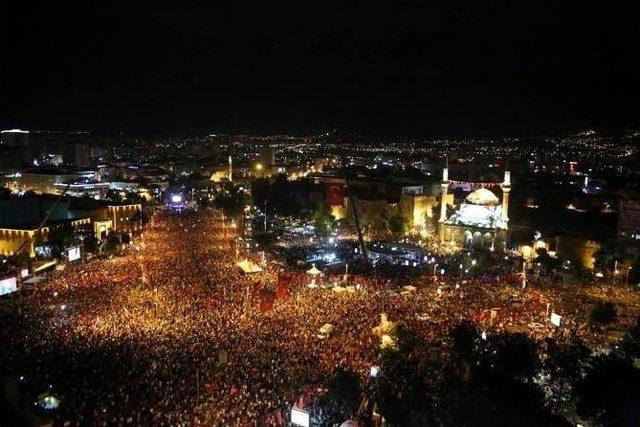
<point x="407" y="70"/>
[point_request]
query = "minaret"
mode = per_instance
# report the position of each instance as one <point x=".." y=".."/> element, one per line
<point x="230" y="169"/>
<point x="444" y="185"/>
<point x="506" y="187"/>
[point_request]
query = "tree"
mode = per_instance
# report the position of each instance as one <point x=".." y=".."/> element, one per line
<point x="5" y="193"/>
<point x="379" y="224"/>
<point x="323" y="220"/>
<point x="602" y="314"/>
<point x="634" y="274"/>
<point x="114" y="195"/>
<point x="498" y="390"/>
<point x="565" y="365"/>
<point x="400" y="391"/>
<point x="631" y="342"/>
<point x="545" y="260"/>
<point x="609" y="393"/>
<point x="607" y="255"/>
<point x="343" y="391"/>
<point x="90" y="243"/>
<point x="507" y="357"/>
<point x="435" y="213"/>
<point x="232" y="204"/>
<point x="397" y="225"/>
<point x="478" y="404"/>
<point x="464" y="338"/>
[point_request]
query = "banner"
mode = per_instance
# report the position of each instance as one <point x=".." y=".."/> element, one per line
<point x="282" y="289"/>
<point x="267" y="299"/>
<point x="334" y="194"/>
<point x="469" y="186"/>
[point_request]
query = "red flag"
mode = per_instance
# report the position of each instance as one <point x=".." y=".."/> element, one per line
<point x="282" y="290"/>
<point x="266" y="300"/>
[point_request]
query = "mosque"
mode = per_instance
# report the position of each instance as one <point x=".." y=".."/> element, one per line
<point x="481" y="220"/>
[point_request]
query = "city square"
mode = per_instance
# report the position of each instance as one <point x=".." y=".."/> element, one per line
<point x="319" y="214"/>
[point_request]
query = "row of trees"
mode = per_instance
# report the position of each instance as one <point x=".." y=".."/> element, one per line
<point x="612" y="253"/>
<point x="500" y="380"/>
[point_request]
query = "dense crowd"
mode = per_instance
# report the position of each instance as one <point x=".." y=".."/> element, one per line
<point x="171" y="333"/>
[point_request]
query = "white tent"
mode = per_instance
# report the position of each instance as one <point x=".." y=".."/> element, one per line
<point x="48" y="401"/>
<point x="34" y="279"/>
<point x="338" y="289"/>
<point x="408" y="288"/>
<point x="313" y="271"/>
<point x="249" y="267"/>
<point x="326" y="328"/>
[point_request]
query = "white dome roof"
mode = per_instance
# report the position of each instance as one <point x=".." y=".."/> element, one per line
<point x="482" y="196"/>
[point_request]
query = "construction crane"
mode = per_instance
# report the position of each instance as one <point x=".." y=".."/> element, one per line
<point x="27" y="242"/>
<point x="356" y="220"/>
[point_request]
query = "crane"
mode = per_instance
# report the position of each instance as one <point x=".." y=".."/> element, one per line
<point x="28" y="241"/>
<point x="356" y="220"/>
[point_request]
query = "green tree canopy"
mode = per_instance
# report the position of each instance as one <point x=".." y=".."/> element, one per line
<point x="607" y="255"/>
<point x="323" y="220"/>
<point x="397" y="225"/>
<point x="602" y="314"/>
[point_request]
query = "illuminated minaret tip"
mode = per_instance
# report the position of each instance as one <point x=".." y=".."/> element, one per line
<point x="444" y="187"/>
<point x="445" y="171"/>
<point x="506" y="188"/>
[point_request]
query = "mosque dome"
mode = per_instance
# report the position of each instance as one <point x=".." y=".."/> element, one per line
<point x="482" y="196"/>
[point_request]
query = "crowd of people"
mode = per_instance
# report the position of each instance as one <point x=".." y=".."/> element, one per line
<point x="172" y="333"/>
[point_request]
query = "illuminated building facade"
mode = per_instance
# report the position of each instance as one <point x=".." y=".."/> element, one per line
<point x="481" y="220"/>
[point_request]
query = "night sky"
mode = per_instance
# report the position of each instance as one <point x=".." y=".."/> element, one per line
<point x="404" y="68"/>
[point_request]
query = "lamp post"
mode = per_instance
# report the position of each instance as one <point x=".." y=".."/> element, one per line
<point x="434" y="269"/>
<point x="615" y="271"/>
<point x="224" y="226"/>
<point x="265" y="216"/>
<point x="628" y="270"/>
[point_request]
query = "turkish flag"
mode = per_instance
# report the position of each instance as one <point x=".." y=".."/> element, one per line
<point x="334" y="194"/>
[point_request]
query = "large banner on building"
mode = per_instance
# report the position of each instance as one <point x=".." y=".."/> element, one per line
<point x="334" y="194"/>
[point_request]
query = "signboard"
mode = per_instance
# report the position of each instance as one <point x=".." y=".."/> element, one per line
<point x="223" y="357"/>
<point x="8" y="285"/>
<point x="299" y="417"/>
<point x="73" y="253"/>
<point x="556" y="319"/>
<point x="374" y="371"/>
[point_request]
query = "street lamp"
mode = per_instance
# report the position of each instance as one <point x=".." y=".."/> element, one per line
<point x="628" y="270"/>
<point x="434" y="269"/>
